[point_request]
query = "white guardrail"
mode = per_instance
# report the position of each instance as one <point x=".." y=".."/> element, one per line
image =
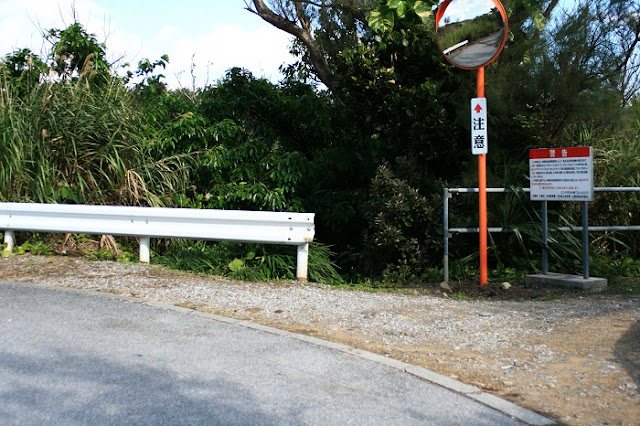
<point x="146" y="222"/>
<point x="455" y="47"/>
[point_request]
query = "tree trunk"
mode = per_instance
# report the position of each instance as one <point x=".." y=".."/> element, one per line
<point x="302" y="31"/>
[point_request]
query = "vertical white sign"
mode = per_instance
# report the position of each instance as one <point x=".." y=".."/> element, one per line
<point x="479" y="141"/>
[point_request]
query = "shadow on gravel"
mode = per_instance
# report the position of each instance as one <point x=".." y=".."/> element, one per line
<point x="627" y="351"/>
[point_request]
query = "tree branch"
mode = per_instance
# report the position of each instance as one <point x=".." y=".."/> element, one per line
<point x="302" y="31"/>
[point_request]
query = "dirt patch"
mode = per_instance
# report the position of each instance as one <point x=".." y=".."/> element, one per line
<point x="495" y="291"/>
<point x="575" y="359"/>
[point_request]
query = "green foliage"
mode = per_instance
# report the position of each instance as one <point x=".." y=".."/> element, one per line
<point x="614" y="266"/>
<point x="250" y="262"/>
<point x="22" y="70"/>
<point x="617" y="163"/>
<point x="102" y="254"/>
<point x="122" y="252"/>
<point x="370" y="163"/>
<point x="384" y="18"/>
<point x="520" y="248"/>
<point x="151" y="84"/>
<point x="77" y="52"/>
<point x="399" y="91"/>
<point x="36" y="247"/>
<point x="78" y="143"/>
<point x="400" y="237"/>
<point x="322" y="269"/>
<point x="5" y="252"/>
<point x="251" y="176"/>
<point x="263" y="265"/>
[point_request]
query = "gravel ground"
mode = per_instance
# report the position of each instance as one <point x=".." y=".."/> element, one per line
<point x="574" y="359"/>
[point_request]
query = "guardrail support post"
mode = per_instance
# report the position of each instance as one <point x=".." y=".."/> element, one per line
<point x="445" y="232"/>
<point x="302" y="262"/>
<point x="145" y="243"/>
<point x="585" y="240"/>
<point x="9" y="240"/>
<point x="545" y="238"/>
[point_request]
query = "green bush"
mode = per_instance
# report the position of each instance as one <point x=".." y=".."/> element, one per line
<point x="250" y="262"/>
<point x="401" y="234"/>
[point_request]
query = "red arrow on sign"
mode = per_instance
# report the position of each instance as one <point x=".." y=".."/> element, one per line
<point x="478" y="108"/>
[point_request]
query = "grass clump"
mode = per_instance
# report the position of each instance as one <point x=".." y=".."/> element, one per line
<point x="249" y="262"/>
<point x="80" y="143"/>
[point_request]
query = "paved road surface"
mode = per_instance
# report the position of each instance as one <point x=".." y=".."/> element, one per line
<point x="479" y="52"/>
<point x="72" y="357"/>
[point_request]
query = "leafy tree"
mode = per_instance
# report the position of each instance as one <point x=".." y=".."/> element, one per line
<point x="24" y="70"/>
<point x="561" y="69"/>
<point x="321" y="28"/>
<point x="400" y="239"/>
<point x="75" y="51"/>
<point x="568" y="69"/>
<point x="618" y="23"/>
<point x="150" y="83"/>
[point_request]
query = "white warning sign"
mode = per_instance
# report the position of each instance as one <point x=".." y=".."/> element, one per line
<point x="479" y="141"/>
<point x="561" y="174"/>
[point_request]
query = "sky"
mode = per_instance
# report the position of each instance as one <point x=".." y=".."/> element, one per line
<point x="460" y="10"/>
<point x="215" y="35"/>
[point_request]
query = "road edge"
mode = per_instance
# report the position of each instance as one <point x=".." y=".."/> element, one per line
<point x="472" y="392"/>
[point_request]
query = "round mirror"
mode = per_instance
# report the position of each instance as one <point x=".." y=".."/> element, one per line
<point x="471" y="33"/>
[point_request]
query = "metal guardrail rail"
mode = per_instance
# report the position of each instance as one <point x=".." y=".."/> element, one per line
<point x="448" y="192"/>
<point x="153" y="222"/>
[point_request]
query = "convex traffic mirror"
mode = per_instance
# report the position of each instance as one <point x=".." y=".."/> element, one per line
<point x="471" y="33"/>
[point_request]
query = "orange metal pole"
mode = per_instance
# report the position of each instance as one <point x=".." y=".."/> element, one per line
<point x="480" y="82"/>
<point x="482" y="189"/>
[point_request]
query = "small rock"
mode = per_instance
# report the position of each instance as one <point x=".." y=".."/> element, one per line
<point x="445" y="295"/>
<point x="505" y="285"/>
<point x="484" y="314"/>
<point x="445" y="286"/>
<point x="367" y="313"/>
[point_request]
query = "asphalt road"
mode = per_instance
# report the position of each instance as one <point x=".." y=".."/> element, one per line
<point x="478" y="52"/>
<point x="73" y="357"/>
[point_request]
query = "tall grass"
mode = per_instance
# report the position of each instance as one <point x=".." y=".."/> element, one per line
<point x="249" y="262"/>
<point x="77" y="142"/>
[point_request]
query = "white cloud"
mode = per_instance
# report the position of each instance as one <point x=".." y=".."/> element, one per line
<point x="261" y="51"/>
<point x="24" y="20"/>
<point x="259" y="47"/>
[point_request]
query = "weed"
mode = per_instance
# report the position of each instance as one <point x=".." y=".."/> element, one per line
<point x="38" y="248"/>
<point x="460" y="297"/>
<point x="250" y="262"/>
